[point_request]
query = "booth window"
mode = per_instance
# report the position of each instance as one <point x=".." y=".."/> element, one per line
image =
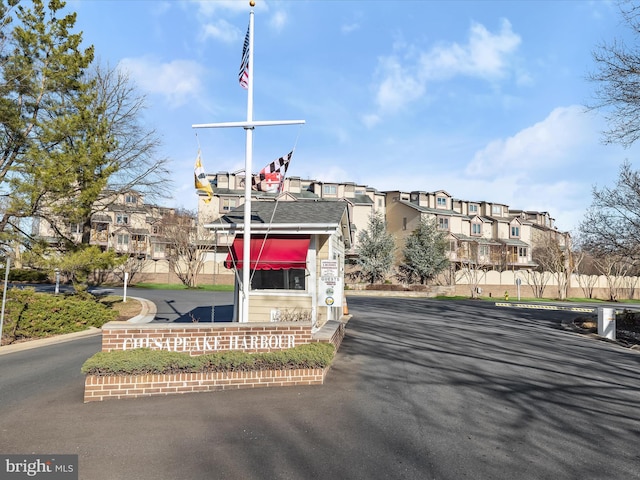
<point x="277" y="262"/>
<point x="293" y="279"/>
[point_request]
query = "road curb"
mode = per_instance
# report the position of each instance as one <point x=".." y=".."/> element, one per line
<point x="43" y="342"/>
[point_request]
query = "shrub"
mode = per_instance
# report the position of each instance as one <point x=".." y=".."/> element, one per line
<point x="29" y="314"/>
<point x="24" y="275"/>
<point x="142" y="361"/>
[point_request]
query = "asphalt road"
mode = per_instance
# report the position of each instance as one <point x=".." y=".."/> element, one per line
<point x="420" y="389"/>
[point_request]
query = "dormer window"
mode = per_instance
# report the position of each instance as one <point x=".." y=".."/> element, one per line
<point x="473" y="208"/>
<point x="476" y="229"/>
<point x="515" y="231"/>
<point x="441" y="202"/>
<point x="330" y="189"/>
<point x="496" y="210"/>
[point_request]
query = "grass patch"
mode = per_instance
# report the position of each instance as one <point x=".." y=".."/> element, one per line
<point x="143" y="361"/>
<point x="125" y="310"/>
<point x="174" y="286"/>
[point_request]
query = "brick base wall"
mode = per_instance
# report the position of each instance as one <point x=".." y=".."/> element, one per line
<point x="203" y="338"/>
<point x="98" y="388"/>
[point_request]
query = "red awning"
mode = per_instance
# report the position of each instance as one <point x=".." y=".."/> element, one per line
<point x="278" y="252"/>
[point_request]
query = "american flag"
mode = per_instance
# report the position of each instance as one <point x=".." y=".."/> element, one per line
<point x="271" y="177"/>
<point x="244" y="66"/>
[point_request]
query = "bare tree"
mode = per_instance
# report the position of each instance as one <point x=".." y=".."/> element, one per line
<point x="585" y="273"/>
<point x="612" y="223"/>
<point x="554" y="257"/>
<point x="477" y="261"/>
<point x="615" y="268"/>
<point x="537" y="280"/>
<point x="186" y="249"/>
<point x="617" y="79"/>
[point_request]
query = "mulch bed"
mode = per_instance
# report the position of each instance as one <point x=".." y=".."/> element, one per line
<point x="627" y="327"/>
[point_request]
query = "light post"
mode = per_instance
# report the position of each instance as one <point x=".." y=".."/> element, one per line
<point x="57" y="270"/>
<point x="4" y="295"/>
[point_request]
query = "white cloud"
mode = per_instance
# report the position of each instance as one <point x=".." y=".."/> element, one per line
<point x="550" y="143"/>
<point x="220" y="30"/>
<point x="370" y="120"/>
<point x="178" y="81"/>
<point x="278" y="21"/>
<point x="486" y="55"/>
<point x="349" y="28"/>
<point x="208" y="8"/>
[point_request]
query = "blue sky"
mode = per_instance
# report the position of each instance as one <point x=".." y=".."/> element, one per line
<point x="483" y="99"/>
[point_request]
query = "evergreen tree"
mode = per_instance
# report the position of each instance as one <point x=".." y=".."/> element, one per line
<point x="424" y="252"/>
<point x="41" y="71"/>
<point x="71" y="135"/>
<point x="375" y="249"/>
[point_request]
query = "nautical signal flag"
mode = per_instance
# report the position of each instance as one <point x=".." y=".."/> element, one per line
<point x="271" y="177"/>
<point x="243" y="76"/>
<point x="201" y="182"/>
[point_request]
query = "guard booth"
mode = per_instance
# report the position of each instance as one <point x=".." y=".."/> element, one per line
<point x="297" y="255"/>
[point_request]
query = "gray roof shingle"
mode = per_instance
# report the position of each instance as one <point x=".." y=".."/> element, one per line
<point x="320" y="212"/>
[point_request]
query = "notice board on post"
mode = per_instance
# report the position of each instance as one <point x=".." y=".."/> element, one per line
<point x="330" y="287"/>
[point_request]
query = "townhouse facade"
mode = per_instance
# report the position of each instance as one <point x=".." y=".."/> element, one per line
<point x="481" y="234"/>
<point x="228" y="193"/>
<point x="122" y="222"/>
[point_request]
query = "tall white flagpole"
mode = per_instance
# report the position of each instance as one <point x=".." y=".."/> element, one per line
<point x="248" y="160"/>
<point x="249" y="125"/>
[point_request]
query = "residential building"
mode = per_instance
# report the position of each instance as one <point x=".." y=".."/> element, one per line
<point x="122" y="222"/>
<point x="228" y="193"/>
<point x="480" y="233"/>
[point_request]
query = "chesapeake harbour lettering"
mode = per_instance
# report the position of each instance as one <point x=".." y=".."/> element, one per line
<point x="212" y="344"/>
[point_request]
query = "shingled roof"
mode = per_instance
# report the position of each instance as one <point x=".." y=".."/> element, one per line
<point x="305" y="213"/>
<point x="308" y="217"/>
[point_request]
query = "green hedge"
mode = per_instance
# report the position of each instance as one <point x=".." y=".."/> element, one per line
<point x="143" y="361"/>
<point x="24" y="275"/>
<point x="29" y="314"/>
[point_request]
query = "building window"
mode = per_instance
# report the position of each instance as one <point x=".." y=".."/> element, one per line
<point x="76" y="228"/>
<point x="483" y="251"/>
<point x="476" y="229"/>
<point x="522" y="252"/>
<point x="130" y="199"/>
<point x="443" y="223"/>
<point x="515" y="231"/>
<point x="473" y="208"/>
<point x="158" y="248"/>
<point x="293" y="279"/>
<point x="441" y="202"/>
<point x="123" y="239"/>
<point x="330" y="190"/>
<point x="228" y="204"/>
<point x="122" y="219"/>
<point x="496" y="210"/>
